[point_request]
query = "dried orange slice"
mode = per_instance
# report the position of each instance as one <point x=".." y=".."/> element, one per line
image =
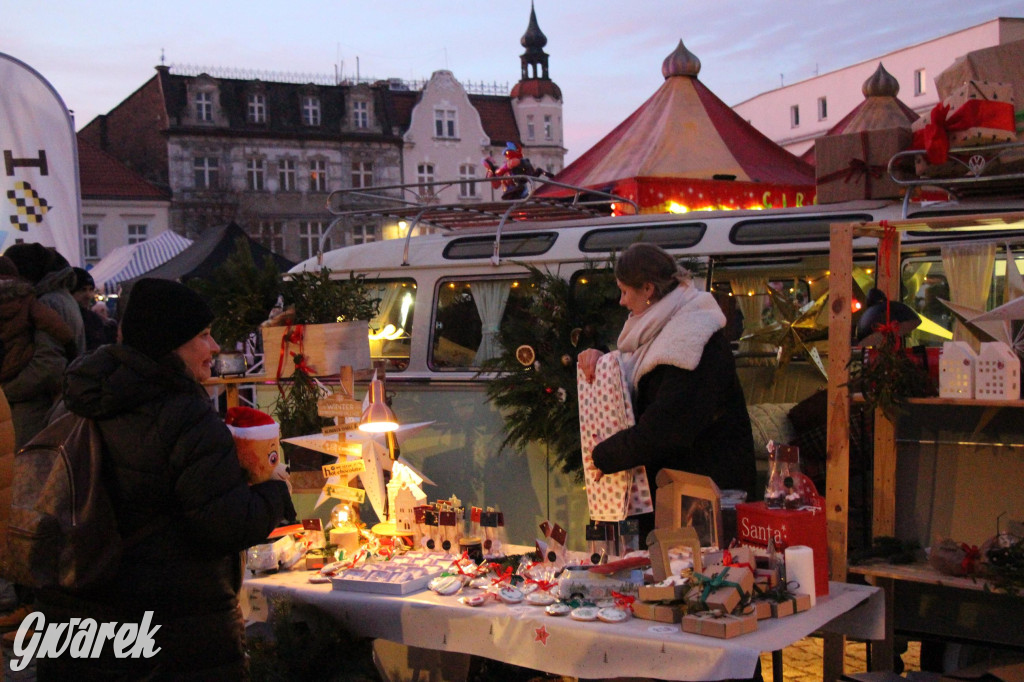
<point x="525" y="355"/>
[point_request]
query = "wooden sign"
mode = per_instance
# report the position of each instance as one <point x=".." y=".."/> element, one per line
<point x="345" y="493"/>
<point x="341" y="468"/>
<point x="338" y="428"/>
<point x="337" y="447"/>
<point x="339" y="406"/>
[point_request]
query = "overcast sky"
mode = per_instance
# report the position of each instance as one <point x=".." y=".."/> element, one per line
<point x="605" y="56"/>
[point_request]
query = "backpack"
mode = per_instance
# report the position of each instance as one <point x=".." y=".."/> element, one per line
<point x="62" y="530"/>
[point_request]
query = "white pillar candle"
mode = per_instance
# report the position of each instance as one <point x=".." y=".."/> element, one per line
<point x="800" y="570"/>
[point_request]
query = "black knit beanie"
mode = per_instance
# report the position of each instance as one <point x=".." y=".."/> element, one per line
<point x="82" y="280"/>
<point x="162" y="315"/>
<point x="33" y="260"/>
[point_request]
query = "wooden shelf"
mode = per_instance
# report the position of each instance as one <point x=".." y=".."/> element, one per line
<point x="957" y="402"/>
<point x="920" y="573"/>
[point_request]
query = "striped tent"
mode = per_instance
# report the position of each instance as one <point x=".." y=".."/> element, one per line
<point x="127" y="262"/>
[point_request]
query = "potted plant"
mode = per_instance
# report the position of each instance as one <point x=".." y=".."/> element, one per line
<point x="325" y="321"/>
<point x="241" y="294"/>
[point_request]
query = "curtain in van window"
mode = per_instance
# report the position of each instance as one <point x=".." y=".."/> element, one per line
<point x="389" y="296"/>
<point x="751" y="307"/>
<point x="969" y="270"/>
<point x="490" y="298"/>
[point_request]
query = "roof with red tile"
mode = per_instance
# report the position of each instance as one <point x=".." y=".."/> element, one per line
<point x="496" y="115"/>
<point x="104" y="177"/>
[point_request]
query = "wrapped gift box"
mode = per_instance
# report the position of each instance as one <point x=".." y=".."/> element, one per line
<point x="712" y="593"/>
<point x="756" y="525"/>
<point x="981" y="90"/>
<point x="854" y="165"/>
<point x="672" y="589"/>
<point x="795" y="603"/>
<point x="722" y="626"/>
<point x="663" y="613"/>
<point x="762" y="608"/>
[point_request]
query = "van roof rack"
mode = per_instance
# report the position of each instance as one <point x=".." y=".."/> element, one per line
<point x="426" y="208"/>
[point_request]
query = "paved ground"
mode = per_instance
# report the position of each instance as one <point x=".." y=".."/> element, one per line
<point x="802" y="661"/>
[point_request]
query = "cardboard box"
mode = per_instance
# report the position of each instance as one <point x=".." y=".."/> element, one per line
<point x="665" y="591"/>
<point x="762" y="608"/>
<point x="718" y="625"/>
<point x="854" y="165"/>
<point x="663" y="613"/>
<point x="685" y="499"/>
<point x="981" y="90"/>
<point x="667" y="546"/>
<point x="727" y="597"/>
<point x="735" y="556"/>
<point x="797" y="603"/>
<point x="756" y="524"/>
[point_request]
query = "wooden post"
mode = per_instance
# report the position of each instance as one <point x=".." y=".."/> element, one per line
<point x="883" y="512"/>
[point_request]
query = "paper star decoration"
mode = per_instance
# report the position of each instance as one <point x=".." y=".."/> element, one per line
<point x="795" y="328"/>
<point x="542" y="635"/>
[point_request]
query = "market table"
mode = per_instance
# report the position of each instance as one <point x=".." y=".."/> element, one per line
<point x="525" y="636"/>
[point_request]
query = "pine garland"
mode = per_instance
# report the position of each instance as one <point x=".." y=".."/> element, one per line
<point x="535" y="382"/>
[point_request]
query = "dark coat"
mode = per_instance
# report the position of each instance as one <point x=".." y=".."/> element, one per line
<point x="689" y="420"/>
<point x="171" y="456"/>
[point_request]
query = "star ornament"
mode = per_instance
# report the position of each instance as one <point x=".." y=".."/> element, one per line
<point x="794" y="331"/>
<point x="541" y="635"/>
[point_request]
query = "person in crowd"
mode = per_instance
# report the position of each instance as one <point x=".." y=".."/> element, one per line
<point x="37" y="345"/>
<point x="53" y="278"/>
<point x="690" y="411"/>
<point x="98" y="330"/>
<point x="179" y="493"/>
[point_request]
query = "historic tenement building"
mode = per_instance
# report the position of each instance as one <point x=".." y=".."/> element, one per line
<point x="267" y="154"/>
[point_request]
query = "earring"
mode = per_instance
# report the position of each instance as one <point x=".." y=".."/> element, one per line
<point x="648" y="301"/>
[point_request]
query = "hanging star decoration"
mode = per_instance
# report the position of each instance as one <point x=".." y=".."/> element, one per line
<point x="794" y="331"/>
<point x="358" y="455"/>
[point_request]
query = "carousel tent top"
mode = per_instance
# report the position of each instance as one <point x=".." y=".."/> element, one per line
<point x="880" y="109"/>
<point x="134" y="260"/>
<point x="685" y="132"/>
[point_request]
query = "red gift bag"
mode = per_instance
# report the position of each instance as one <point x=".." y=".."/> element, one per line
<point x="756" y="524"/>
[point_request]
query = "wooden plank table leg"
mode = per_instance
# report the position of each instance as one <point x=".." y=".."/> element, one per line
<point x="834" y="650"/>
<point x="882" y="652"/>
<point x="777" y="665"/>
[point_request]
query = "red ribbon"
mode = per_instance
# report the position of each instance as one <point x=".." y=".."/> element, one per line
<point x="542" y="585"/>
<point x="727" y="560"/>
<point x="974" y="113"/>
<point x="971" y="556"/>
<point x="505" y="577"/>
<point x="858" y="168"/>
<point x="291" y="335"/>
<point x="623" y="600"/>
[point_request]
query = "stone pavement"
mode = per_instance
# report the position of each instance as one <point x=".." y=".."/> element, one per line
<point x="802" y="662"/>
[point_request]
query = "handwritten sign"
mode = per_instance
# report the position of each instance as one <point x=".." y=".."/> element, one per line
<point x="339" y="428"/>
<point x="339" y="406"/>
<point x="341" y="468"/>
<point x="345" y="493"/>
<point x="337" y="447"/>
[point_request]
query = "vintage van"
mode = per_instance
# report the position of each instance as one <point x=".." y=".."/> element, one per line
<point x="444" y="296"/>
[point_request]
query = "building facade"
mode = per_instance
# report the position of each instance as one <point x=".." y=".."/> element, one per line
<point x="794" y="115"/>
<point x="267" y="154"/>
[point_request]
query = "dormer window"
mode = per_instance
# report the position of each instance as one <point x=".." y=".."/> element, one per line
<point x="204" y="107"/>
<point x="360" y="115"/>
<point x="257" y="108"/>
<point x="444" y="123"/>
<point x="311" y="110"/>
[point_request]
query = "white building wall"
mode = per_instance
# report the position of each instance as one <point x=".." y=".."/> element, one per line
<point x="543" y="151"/>
<point x="112" y="218"/>
<point x="769" y="112"/>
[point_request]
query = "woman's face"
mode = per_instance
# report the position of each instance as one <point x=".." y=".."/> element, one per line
<point x="635" y="299"/>
<point x="197" y="354"/>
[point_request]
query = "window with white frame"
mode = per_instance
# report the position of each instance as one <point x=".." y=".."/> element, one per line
<point x="311" y="110"/>
<point x="137" y="233"/>
<point x="204" y="106"/>
<point x="272" y="235"/>
<point x="424" y="176"/>
<point x="257" y="108"/>
<point x="794" y="116"/>
<point x="547" y="127"/>
<point x="467" y="190"/>
<point x="90" y="240"/>
<point x="286" y="175"/>
<point x="822" y="108"/>
<point x="317" y="175"/>
<point x="362" y="174"/>
<point x="444" y="123"/>
<point x="206" y="172"/>
<point x="254" y="175"/>
<point x="360" y="114"/>
<point x="529" y="127"/>
<point x="310" y="233"/>
<point x="363" y="234"/>
<point x="920" y="82"/>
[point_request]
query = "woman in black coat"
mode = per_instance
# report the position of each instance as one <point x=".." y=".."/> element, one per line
<point x="175" y="480"/>
<point x="690" y="411"/>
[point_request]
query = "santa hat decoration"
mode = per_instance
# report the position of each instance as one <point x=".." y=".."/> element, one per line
<point x="246" y="423"/>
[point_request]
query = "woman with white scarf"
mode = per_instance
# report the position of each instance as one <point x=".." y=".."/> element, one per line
<point x="690" y="411"/>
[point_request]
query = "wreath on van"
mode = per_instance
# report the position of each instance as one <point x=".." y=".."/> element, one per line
<point x="535" y="374"/>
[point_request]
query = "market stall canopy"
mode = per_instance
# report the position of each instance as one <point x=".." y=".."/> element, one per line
<point x="209" y="250"/>
<point x="880" y="109"/>
<point x="685" y="149"/>
<point x="134" y="260"/>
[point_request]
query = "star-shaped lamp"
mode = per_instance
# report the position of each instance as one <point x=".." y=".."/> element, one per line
<point x="794" y="331"/>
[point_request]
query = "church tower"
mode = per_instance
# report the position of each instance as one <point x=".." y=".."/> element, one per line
<point x="537" y="103"/>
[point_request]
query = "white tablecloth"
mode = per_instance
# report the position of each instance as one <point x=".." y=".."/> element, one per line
<point x="526" y="636"/>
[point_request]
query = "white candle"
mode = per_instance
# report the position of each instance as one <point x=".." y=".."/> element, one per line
<point x="800" y="570"/>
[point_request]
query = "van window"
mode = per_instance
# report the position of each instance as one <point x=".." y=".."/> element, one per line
<point x="681" y="236"/>
<point x="789" y="230"/>
<point x="468" y="316"/>
<point x="391" y="329"/>
<point x="512" y="246"/>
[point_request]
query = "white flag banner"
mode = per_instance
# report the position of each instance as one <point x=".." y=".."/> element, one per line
<point x="39" y="191"/>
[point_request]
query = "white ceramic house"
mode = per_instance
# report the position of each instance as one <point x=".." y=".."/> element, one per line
<point x="956" y="370"/>
<point x="997" y="373"/>
<point x="406" y="501"/>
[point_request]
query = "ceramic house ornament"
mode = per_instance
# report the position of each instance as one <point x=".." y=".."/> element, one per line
<point x="997" y="373"/>
<point x="956" y="370"/>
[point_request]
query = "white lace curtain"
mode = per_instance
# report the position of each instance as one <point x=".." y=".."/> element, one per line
<point x="751" y="307"/>
<point x="490" y="298"/>
<point x="390" y="294"/>
<point x="969" y="273"/>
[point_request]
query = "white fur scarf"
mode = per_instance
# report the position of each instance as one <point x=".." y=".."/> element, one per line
<point x="673" y="331"/>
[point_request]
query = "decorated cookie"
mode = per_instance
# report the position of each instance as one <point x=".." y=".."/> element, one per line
<point x="613" y="614"/>
<point x="558" y="609"/>
<point x="539" y="599"/>
<point x="474" y="599"/>
<point x="446" y="584"/>
<point x="585" y="613"/>
<point x="510" y="595"/>
<point x="528" y="588"/>
<point x="318" y="579"/>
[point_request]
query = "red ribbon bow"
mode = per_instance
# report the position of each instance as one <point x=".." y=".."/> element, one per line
<point x="505" y="577"/>
<point x="542" y="585"/>
<point x="971" y="556"/>
<point x="623" y="600"/>
<point x="727" y="560"/>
